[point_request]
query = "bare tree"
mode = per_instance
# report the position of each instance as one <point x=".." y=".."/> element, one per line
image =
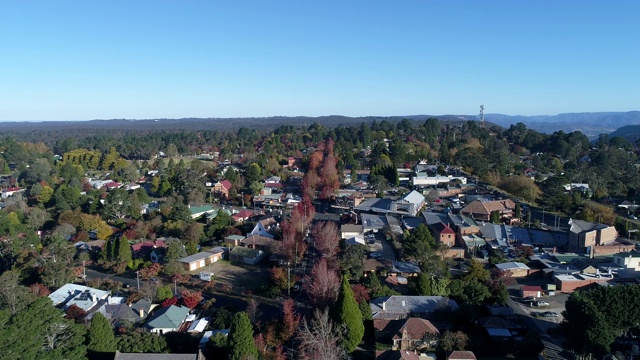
<point x="327" y="239"/>
<point x="322" y="285"/>
<point x="321" y="340"/>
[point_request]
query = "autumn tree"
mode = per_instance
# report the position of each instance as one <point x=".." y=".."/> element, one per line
<point x="453" y="341"/>
<point x="75" y="313"/>
<point x="290" y="320"/>
<point x="326" y="239"/>
<point x="322" y="284"/>
<point x="191" y="299"/>
<point x="521" y="186"/>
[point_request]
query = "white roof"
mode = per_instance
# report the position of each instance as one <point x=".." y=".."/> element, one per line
<point x="512" y="266"/>
<point x="198" y="325"/>
<point x="354" y="240"/>
<point x="82" y="296"/>
<point x="414" y="197"/>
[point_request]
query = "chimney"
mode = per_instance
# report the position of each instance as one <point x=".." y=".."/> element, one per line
<point x="141" y="313"/>
<point x="384" y="306"/>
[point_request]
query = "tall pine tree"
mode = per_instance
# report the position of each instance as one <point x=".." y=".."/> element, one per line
<point x="124" y="250"/>
<point x="348" y="315"/>
<point x="101" y="338"/>
<point x="240" y="339"/>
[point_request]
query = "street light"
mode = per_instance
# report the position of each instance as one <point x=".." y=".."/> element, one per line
<point x="544" y="207"/>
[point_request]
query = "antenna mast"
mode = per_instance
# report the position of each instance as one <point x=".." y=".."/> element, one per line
<point x="482" y="115"/>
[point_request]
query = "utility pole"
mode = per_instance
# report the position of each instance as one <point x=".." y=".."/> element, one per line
<point x="288" y="279"/>
<point x="138" y="279"/>
<point x="84" y="271"/>
<point x="175" y="287"/>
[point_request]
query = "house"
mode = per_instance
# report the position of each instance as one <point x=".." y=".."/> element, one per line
<point x="584" y="235"/>
<point x="402" y="355"/>
<point x="373" y="223"/>
<point x="233" y="239"/>
<point x="263" y="226"/>
<point x="119" y="313"/>
<point x="199" y="211"/>
<point x="242" y="216"/>
<point x="530" y="291"/>
<point x="355" y="240"/>
<point x="222" y="188"/>
<point x="402" y="307"/>
<point x="143" y="250"/>
<point x="246" y="255"/>
<point x="84" y="297"/>
<point x="10" y="192"/>
<point x="461" y="355"/>
<point x="350" y="230"/>
<point x="273" y="183"/>
<point x="406" y="334"/>
<point x="90" y="246"/>
<point x="167" y="319"/>
<point x="409" y="204"/>
<point x="259" y="242"/>
<point x="199" y="260"/>
<point x="405" y="268"/>
<point x="149" y="356"/>
<point x="517" y="269"/>
<point x="157" y="254"/>
<point x="444" y="234"/>
<point x="481" y="210"/>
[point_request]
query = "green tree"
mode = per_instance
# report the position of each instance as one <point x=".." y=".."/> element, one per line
<point x="101" y="338"/>
<point x="423" y="285"/>
<point x="141" y="342"/>
<point x="124" y="250"/>
<point x="164" y="292"/>
<point x="240" y="339"/>
<point x="253" y="172"/>
<point x="348" y="315"/>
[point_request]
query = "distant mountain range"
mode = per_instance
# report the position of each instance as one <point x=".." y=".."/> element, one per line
<point x="590" y="124"/>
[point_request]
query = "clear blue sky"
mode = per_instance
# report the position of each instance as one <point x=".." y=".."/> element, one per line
<point x="80" y="60"/>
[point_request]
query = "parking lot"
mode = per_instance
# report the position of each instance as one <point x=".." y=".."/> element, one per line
<point x="544" y="316"/>
<point x="377" y="244"/>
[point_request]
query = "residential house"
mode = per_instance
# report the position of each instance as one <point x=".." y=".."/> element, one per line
<point x="263" y="227"/>
<point x="422" y="180"/>
<point x="481" y="210"/>
<point x="461" y="355"/>
<point x="584" y="235"/>
<point x="10" y="192"/>
<point x="274" y="183"/>
<point x="142" y="250"/>
<point x="517" y="269"/>
<point x="242" y="216"/>
<point x="167" y="319"/>
<point x="402" y="307"/>
<point x="405" y="268"/>
<point x="259" y="242"/>
<point x="463" y="225"/>
<point x="199" y="211"/>
<point x="119" y="313"/>
<point x="246" y="255"/>
<point x="444" y="234"/>
<point x="93" y="246"/>
<point x="350" y="230"/>
<point x="84" y="297"/>
<point x="222" y="188"/>
<point x="233" y="240"/>
<point x="355" y="240"/>
<point x="406" y="334"/>
<point x="409" y="204"/>
<point x="373" y="223"/>
<point x="402" y="355"/>
<point x="199" y="260"/>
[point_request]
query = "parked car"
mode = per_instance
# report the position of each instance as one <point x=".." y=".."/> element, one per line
<point x="633" y="217"/>
<point x="540" y="303"/>
<point x="550" y="314"/>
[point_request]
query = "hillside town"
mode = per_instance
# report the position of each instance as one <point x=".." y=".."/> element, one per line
<point x="366" y="242"/>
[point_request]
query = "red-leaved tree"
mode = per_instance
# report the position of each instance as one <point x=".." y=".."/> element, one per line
<point x="326" y="240"/>
<point x="151" y="271"/>
<point x="191" y="299"/>
<point x="75" y="313"/>
<point x="360" y="293"/>
<point x="39" y="290"/>
<point x="170" y="301"/>
<point x="290" y="320"/>
<point x="322" y="285"/>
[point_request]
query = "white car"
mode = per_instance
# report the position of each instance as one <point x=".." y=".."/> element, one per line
<point x="541" y="303"/>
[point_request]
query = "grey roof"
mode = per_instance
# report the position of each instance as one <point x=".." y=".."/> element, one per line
<point x="432" y="218"/>
<point x="512" y="266"/>
<point x="461" y="220"/>
<point x="405" y="267"/>
<point x="82" y="296"/>
<point x="131" y="356"/>
<point x="580" y="226"/>
<point x="370" y="222"/>
<point x="495" y="231"/>
<point x="195" y="257"/>
<point x="351" y="228"/>
<point x="398" y="306"/>
<point x="375" y="205"/>
<point x="394" y="224"/>
<point x="414" y="197"/>
<point x="168" y="318"/>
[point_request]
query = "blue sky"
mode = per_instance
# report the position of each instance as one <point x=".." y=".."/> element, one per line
<point x="80" y="60"/>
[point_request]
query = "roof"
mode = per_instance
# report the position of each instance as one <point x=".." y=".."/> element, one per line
<point x="461" y="355"/>
<point x="168" y="318"/>
<point x="351" y="228"/>
<point x="82" y="296"/>
<point x="531" y="288"/>
<point x="198" y="325"/>
<point x="405" y="267"/>
<point x="396" y="355"/>
<point x="258" y="240"/>
<point x="487" y="207"/>
<point x="512" y="266"/>
<point x="245" y="252"/>
<point x="415" y="328"/>
<point x="443" y="228"/>
<point x="414" y="197"/>
<point x="370" y="221"/>
<point x="234" y="237"/>
<point x="226" y="184"/>
<point x="201" y="209"/>
<point x="391" y="307"/>
<point x="196" y="257"/>
<point x="131" y="356"/>
<point x="355" y="240"/>
<point x="580" y="226"/>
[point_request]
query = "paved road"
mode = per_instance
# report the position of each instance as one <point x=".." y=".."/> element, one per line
<point x="552" y="346"/>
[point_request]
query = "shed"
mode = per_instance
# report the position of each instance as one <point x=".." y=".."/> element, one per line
<point x="527" y="291"/>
